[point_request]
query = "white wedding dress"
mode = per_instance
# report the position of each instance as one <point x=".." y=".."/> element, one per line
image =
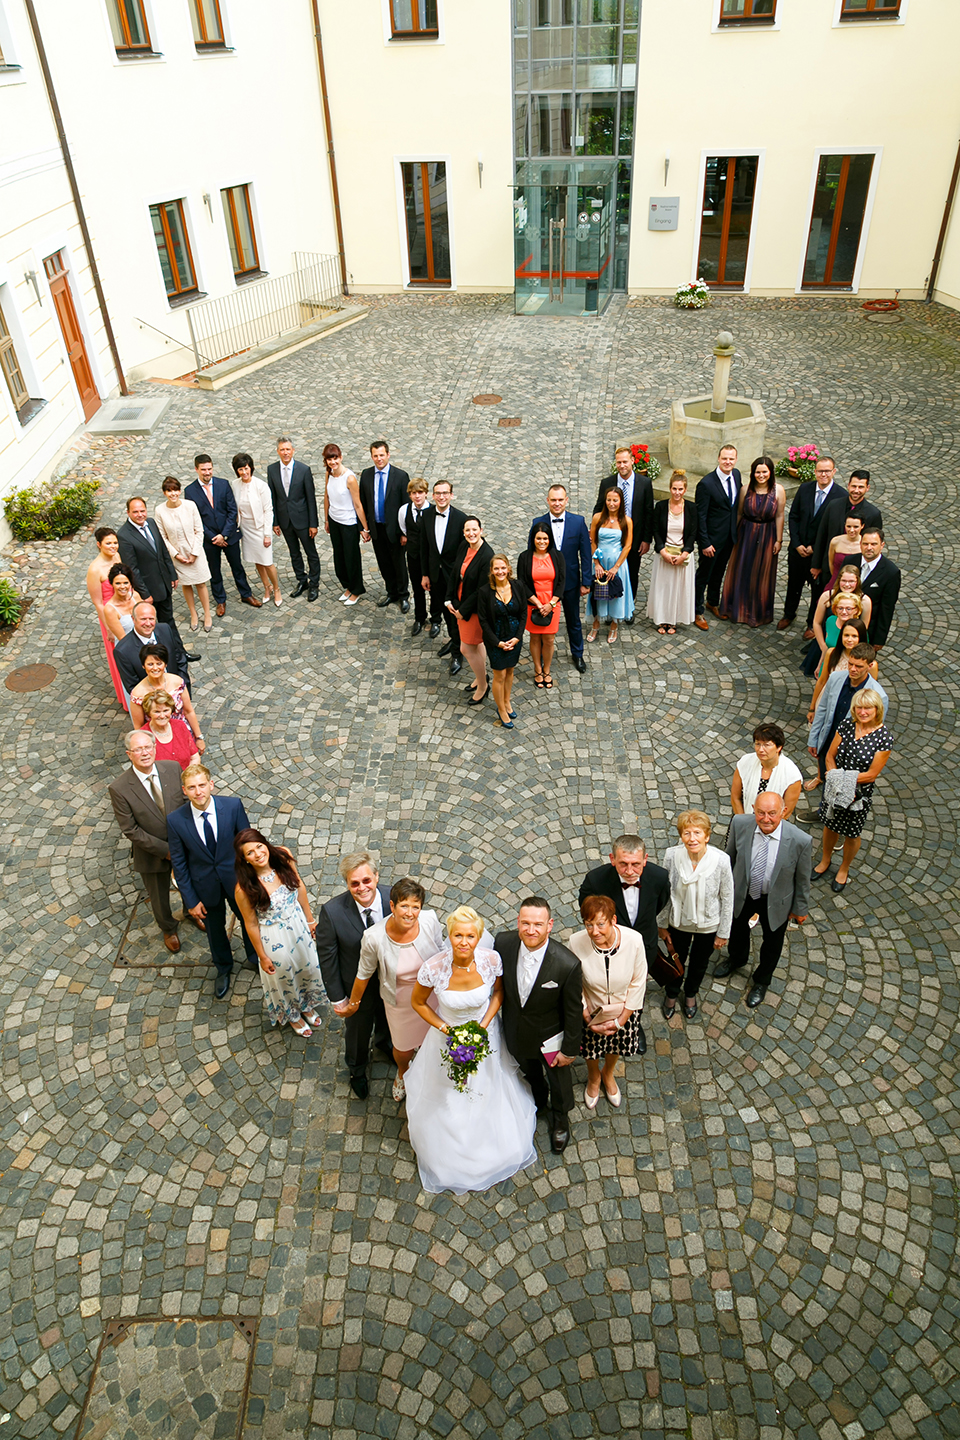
<point x="474" y="1139"/>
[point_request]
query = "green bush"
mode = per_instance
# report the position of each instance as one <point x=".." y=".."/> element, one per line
<point x="33" y="515"/>
<point x="9" y="602"/>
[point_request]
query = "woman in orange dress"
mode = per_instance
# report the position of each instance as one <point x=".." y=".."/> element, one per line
<point x="543" y="570"/>
<point x="471" y="565"/>
<point x="100" y="591"/>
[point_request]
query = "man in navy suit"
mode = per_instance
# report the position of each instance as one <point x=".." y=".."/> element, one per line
<point x="295" y="514"/>
<point x="637" y="491"/>
<point x="572" y="538"/>
<point x="880" y="580"/>
<point x="383" y="489"/>
<point x="214" y="499"/>
<point x="804" y="521"/>
<point x="834" y="516"/>
<point x="146" y="631"/>
<point x="144" y="549"/>
<point x="200" y="836"/>
<point x="716" y="498"/>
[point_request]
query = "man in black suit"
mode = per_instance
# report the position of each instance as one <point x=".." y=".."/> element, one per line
<point x="716" y="499"/>
<point x="340" y="928"/>
<point x="144" y="549"/>
<point x="295" y="514"/>
<point x="440" y="541"/>
<point x="637" y="491"/>
<point x="383" y="489"/>
<point x="410" y="518"/>
<point x="146" y="631"/>
<point x="880" y="580"/>
<point x="637" y="888"/>
<point x="214" y="498"/>
<point x="141" y="798"/>
<point x="804" y="521"/>
<point x="542" y="998"/>
<point x="834" y="516"/>
<point x="572" y="538"/>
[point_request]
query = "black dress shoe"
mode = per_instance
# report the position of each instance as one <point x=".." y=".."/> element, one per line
<point x="559" y="1139"/>
<point x="434" y="629"/>
<point x="819" y="874"/>
<point x="478" y="700"/>
<point x="221" y="986"/>
<point x="806" y="817"/>
<point x="630" y="619"/>
<point x="382" y="604"/>
<point x="580" y="664"/>
<point x="404" y="606"/>
<point x="725" y="968"/>
<point x="756" y="995"/>
<point x="360" y="1086"/>
<point x="302" y="585"/>
<point x="456" y="665"/>
<point x="190" y="658"/>
<point x="417" y="628"/>
<point x="313" y="594"/>
<point x="444" y="649"/>
<point x="641" y="1041"/>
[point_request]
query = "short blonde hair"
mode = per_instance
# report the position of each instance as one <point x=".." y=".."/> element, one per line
<point x="695" y="817"/>
<point x="192" y="771"/>
<point x="417" y="486"/>
<point x="354" y="860"/>
<point x="161" y="697"/>
<point x="465" y="915"/>
<point x="847" y="595"/>
<point x="868" y="697"/>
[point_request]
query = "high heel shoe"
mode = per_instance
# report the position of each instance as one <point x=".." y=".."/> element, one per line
<point x="478" y="699"/>
<point x="590" y="1100"/>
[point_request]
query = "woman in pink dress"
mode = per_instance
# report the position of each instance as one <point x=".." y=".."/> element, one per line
<point x="543" y="570"/>
<point x="100" y="591"/>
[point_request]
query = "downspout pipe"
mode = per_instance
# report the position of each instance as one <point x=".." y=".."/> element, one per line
<point x="330" y="155"/>
<point x="938" y="253"/>
<point x="75" y="192"/>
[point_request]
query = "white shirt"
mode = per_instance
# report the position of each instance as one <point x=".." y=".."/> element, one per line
<point x="528" y="968"/>
<point x="728" y="484"/>
<point x="821" y="498"/>
<point x="286" y="475"/>
<point x="146" y="778"/>
<point x="150" y="639"/>
<point x="625" y="486"/>
<point x="772" y="843"/>
<point x="211" y="814"/>
<point x="375" y="907"/>
<point x="440" y="528"/>
<point x="556" y="524"/>
<point x="145" y="532"/>
<point x="867" y="568"/>
<point x="407" y="513"/>
<point x="631" y="900"/>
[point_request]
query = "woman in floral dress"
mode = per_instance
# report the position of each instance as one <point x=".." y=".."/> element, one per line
<point x="272" y="899"/>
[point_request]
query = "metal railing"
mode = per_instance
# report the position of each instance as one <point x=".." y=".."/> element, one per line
<point x="265" y="309"/>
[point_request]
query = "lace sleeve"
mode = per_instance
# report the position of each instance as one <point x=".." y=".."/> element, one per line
<point x="489" y="964"/>
<point x="435" y="972"/>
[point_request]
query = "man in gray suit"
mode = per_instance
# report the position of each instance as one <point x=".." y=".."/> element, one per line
<point x="142" y="798"/>
<point x="771" y="879"/>
<point x="295" y="514"/>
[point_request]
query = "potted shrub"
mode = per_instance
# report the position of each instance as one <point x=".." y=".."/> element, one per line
<point x="692" y="296"/>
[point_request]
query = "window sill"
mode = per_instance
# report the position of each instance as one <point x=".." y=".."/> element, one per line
<point x="405" y="35"/>
<point x="30" y="411"/>
<point x="127" y="55"/>
<point x="245" y="276"/>
<point x="213" y="47"/>
<point x="177" y="302"/>
<point x="869" y="16"/>
<point x="755" y="22"/>
<point x="9" y="69"/>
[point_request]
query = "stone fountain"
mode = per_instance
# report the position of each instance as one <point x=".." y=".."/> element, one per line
<point x="701" y="424"/>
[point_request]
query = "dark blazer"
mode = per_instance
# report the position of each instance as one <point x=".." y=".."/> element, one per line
<point x="833" y="516"/>
<point x="801" y="520"/>
<point x="200" y="875"/>
<point x="221" y="518"/>
<point x="789" y="892"/>
<point x="576" y="550"/>
<point x="476" y="574"/>
<point x="717" y="517"/>
<point x="661" y="517"/>
<point x="642" y="515"/>
<point x="555" y="1002"/>
<point x="126" y="652"/>
<point x="486" y="597"/>
<point x="140" y="820"/>
<point x="153" y="570"/>
<point x="883" y="587"/>
<point x="339" y="933"/>
<point x="439" y="564"/>
<point x="654" y="894"/>
<point x="525" y="571"/>
<point x="397" y="482"/>
<point x="298" y="510"/>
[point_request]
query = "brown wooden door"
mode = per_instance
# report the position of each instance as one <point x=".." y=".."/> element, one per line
<point x="72" y="334"/>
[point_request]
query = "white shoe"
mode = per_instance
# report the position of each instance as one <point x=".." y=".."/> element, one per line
<point x="590" y="1100"/>
<point x="399" y="1089"/>
<point x="352" y="601"/>
<point x="614" y="1098"/>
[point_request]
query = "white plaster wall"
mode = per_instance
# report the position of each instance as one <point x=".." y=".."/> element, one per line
<point x="948" y="277"/>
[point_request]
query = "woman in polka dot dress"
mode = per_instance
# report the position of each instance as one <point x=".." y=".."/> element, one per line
<point x="862" y="743"/>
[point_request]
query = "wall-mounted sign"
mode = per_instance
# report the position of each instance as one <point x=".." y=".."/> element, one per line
<point x="664" y="212"/>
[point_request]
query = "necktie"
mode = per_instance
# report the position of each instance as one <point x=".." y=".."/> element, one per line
<point x="208" y="834"/>
<point x="368" y="920"/>
<point x="758" y="867"/>
<point x="287" y="477"/>
<point x="145" y="532"/>
<point x="157" y="794"/>
<point x="381" y="485"/>
<point x="817" y="500"/>
<point x="730" y="490"/>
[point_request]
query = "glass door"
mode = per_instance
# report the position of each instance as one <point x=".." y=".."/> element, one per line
<point x="729" y="186"/>
<point x="836" y="223"/>
<point x="564" y="224"/>
<point x="428" y="227"/>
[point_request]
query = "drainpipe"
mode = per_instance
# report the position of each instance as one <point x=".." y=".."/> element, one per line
<point x="330" y="155"/>
<point x="943" y="227"/>
<point x="75" y="192"/>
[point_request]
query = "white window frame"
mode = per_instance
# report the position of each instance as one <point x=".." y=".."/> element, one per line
<point x="421" y="159"/>
<point x="250" y="183"/>
<point x="47" y="246"/>
<point x="734" y="151"/>
<point x="11" y="314"/>
<point x="839" y="24"/>
<point x="877" y="152"/>
<point x="156" y="57"/>
<point x="438" y="39"/>
<point x="11" y="54"/>
<point x="742" y="29"/>
<point x="164" y="197"/>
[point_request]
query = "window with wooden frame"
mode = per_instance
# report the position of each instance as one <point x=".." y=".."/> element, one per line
<point x="12" y="372"/>
<point x="207" y="25"/>
<point x="748" y="12"/>
<point x="414" y="17"/>
<point x="128" y="25"/>
<point x="173" y="247"/>
<point x="870" y="9"/>
<point x="238" y="214"/>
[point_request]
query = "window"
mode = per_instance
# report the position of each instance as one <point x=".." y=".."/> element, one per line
<point x="729" y="187"/>
<point x="173" y="247"/>
<point x="428" y="226"/>
<point x="739" y="12"/>
<point x="128" y="22"/>
<point x="243" y="242"/>
<point x="207" y="24"/>
<point x="12" y="373"/>
<point x="836" y="222"/>
<point x="869" y="9"/>
<point x="413" y="17"/>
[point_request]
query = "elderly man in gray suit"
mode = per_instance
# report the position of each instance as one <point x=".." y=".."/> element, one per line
<point x="295" y="514"/>
<point x="771" y="879"/>
<point x="142" y="798"/>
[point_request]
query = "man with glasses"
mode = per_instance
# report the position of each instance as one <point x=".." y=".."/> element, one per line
<point x="803" y="522"/>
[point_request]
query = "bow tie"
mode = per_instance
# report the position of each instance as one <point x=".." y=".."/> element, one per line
<point x="630" y="884"/>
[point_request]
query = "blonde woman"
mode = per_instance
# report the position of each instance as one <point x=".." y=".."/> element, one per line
<point x="700" y="910"/>
<point x="862" y="745"/>
<point x="671" y="599"/>
<point x="255" y="508"/>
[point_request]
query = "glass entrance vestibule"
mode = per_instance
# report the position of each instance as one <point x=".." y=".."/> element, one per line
<point x="564" y="217"/>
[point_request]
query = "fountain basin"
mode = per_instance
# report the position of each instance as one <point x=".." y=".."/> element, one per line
<point x="695" y="439"/>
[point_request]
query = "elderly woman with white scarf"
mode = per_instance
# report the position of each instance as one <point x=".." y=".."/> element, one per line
<point x="700" y="909"/>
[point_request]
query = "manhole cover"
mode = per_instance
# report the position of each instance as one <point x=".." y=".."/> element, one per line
<point x="30" y="677"/>
<point x="487" y="399"/>
<point x="507" y="420"/>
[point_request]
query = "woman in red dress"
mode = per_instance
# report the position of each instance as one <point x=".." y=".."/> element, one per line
<point x="543" y="571"/>
<point x="471" y="567"/>
<point x="175" y="740"/>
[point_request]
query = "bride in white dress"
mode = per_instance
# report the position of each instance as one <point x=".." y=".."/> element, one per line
<point x="473" y="1139"/>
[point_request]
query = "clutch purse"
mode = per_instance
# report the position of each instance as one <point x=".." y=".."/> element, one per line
<point x="610" y="589"/>
<point x="603" y="1013"/>
<point x="666" y="967"/>
<point x="675" y="550"/>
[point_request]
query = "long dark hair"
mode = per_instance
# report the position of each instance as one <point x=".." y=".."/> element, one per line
<point x="605" y="514"/>
<point x="771" y="482"/>
<point x="836" y="654"/>
<point x="248" y="879"/>
<point x="543" y="528"/>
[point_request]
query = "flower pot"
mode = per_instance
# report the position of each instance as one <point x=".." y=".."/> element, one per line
<point x="793" y="471"/>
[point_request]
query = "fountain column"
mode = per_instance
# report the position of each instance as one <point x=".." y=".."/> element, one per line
<point x="724" y="350"/>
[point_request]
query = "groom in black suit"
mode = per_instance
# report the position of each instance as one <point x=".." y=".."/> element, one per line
<point x="383" y="489"/>
<point x="295" y="514"/>
<point x="572" y="539"/>
<point x="804" y="522"/>
<point x="637" y="491"/>
<point x="542" y="997"/>
<point x="716" y="498"/>
<point x="880" y="580"/>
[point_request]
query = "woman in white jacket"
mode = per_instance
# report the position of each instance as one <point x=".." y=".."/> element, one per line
<point x="255" y="506"/>
<point x="700" y="908"/>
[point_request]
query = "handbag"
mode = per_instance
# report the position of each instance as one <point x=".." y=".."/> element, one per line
<point x="666" y="967"/>
<point x="610" y="589"/>
<point x="675" y="550"/>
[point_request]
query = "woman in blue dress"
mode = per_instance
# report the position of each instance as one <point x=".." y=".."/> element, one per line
<point x="611" y="536"/>
<point x="272" y="900"/>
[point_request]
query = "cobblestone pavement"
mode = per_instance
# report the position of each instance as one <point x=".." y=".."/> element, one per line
<point x="761" y="1242"/>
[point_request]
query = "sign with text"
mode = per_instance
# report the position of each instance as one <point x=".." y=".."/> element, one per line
<point x="664" y="212"/>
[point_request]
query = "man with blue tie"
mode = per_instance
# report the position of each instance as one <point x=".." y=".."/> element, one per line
<point x="572" y="538"/>
<point x="215" y="500"/>
<point x="716" y="497"/>
<point x="383" y="489"/>
<point x="804" y="522"/>
<point x="200" y="836"/>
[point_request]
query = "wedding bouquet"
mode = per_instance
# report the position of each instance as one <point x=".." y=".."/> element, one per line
<point x="466" y="1046"/>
